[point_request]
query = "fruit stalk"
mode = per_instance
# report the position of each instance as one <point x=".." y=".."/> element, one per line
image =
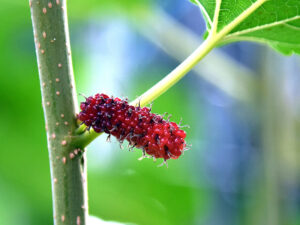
<point x="67" y="160"/>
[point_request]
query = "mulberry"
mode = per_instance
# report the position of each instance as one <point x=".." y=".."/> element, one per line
<point x="141" y="128"/>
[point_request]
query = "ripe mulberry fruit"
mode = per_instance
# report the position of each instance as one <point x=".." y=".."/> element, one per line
<point x="141" y="128"/>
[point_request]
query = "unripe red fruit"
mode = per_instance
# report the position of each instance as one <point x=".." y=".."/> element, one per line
<point x="141" y="128"/>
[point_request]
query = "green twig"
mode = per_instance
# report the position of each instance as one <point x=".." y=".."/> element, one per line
<point x="231" y="77"/>
<point x="68" y="173"/>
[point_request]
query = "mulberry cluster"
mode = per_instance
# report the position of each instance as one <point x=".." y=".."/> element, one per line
<point x="141" y="128"/>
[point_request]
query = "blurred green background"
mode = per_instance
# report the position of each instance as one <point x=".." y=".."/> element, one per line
<point x="241" y="102"/>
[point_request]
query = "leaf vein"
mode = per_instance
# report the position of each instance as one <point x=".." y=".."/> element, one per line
<point x="261" y="40"/>
<point x="281" y="22"/>
<point x="204" y="12"/>
<point x="292" y="26"/>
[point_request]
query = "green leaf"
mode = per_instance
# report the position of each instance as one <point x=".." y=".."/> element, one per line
<point x="272" y="22"/>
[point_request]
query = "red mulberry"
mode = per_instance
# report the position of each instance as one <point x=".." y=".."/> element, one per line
<point x="141" y="128"/>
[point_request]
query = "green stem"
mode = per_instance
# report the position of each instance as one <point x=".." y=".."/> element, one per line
<point x="229" y="76"/>
<point x="179" y="72"/>
<point x="68" y="172"/>
<point x="188" y="64"/>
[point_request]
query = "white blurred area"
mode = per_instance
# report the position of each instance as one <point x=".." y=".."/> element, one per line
<point x="92" y="220"/>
